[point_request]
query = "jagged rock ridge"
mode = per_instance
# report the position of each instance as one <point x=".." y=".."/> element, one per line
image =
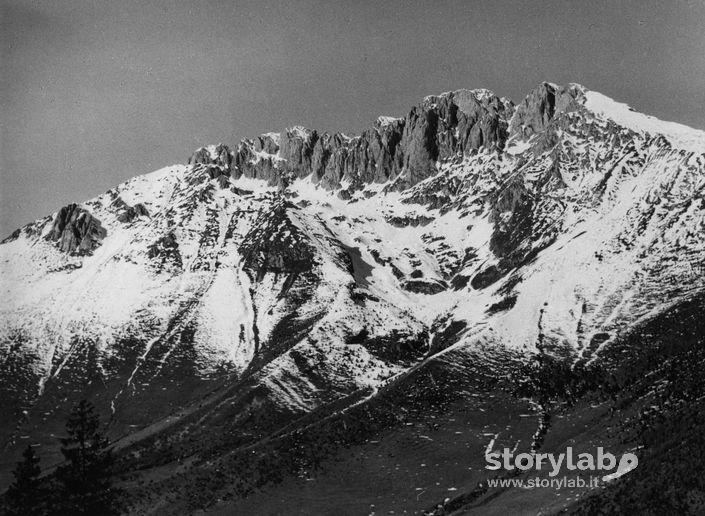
<point x="405" y="150"/>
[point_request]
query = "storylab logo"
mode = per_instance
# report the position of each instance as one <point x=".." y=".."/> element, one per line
<point x="554" y="463"/>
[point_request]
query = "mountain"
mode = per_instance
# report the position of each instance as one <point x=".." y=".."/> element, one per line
<point x="243" y="317"/>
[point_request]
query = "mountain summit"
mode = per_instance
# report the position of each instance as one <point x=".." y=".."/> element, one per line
<point x="294" y="277"/>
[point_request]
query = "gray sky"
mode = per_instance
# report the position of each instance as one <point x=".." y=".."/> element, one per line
<point x="94" y="92"/>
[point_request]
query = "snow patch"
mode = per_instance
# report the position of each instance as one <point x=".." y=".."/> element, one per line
<point x="679" y="135"/>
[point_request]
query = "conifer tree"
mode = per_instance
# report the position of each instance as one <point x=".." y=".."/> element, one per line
<point x="23" y="497"/>
<point x="85" y="485"/>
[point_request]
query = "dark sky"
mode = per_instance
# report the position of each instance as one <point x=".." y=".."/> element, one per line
<point x="94" y="92"/>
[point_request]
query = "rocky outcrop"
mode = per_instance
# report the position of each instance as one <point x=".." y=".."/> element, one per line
<point x="165" y="253"/>
<point x="409" y="220"/>
<point x="215" y="161"/>
<point x="258" y="159"/>
<point x="130" y="213"/>
<point x="512" y="217"/>
<point x="12" y="236"/>
<point x="276" y="245"/>
<point x="296" y="149"/>
<point x="420" y="286"/>
<point x="76" y="231"/>
<point x="541" y="105"/>
<point x="457" y="122"/>
<point x="372" y="157"/>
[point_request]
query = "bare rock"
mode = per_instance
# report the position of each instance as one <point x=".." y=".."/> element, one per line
<point x="421" y="286"/>
<point x="76" y="231"/>
<point x="130" y="213"/>
<point x="165" y="252"/>
<point x="541" y="105"/>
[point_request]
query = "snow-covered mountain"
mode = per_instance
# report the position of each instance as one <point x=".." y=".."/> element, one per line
<point x="305" y="268"/>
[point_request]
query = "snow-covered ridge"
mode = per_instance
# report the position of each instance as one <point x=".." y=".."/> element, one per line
<point x="680" y="136"/>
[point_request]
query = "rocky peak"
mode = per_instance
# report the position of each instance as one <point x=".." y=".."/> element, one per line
<point x="541" y="105"/>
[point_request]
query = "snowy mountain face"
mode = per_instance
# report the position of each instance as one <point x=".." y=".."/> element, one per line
<point x="293" y="270"/>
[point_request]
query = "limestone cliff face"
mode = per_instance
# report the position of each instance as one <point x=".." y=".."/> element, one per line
<point x="454" y="123"/>
<point x="398" y="151"/>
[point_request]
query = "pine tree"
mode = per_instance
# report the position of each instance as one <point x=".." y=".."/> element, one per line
<point x="23" y="497"/>
<point x="85" y="485"/>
